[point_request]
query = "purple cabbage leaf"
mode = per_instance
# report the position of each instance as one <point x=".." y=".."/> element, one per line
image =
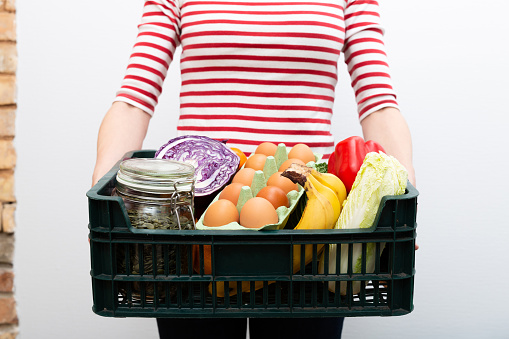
<point x="214" y="162"/>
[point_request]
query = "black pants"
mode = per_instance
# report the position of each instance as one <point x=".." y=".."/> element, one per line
<point x="259" y="328"/>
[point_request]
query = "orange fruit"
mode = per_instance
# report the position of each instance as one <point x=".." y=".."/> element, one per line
<point x="207" y="259"/>
<point x="241" y="155"/>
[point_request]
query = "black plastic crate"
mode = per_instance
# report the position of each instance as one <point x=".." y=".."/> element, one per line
<point x="161" y="273"/>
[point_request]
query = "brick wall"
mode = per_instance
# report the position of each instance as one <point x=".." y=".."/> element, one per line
<point x="8" y="64"/>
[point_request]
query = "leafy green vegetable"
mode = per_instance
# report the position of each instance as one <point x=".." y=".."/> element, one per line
<point x="379" y="175"/>
<point x="321" y="167"/>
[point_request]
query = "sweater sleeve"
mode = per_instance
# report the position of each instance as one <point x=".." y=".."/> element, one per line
<point x="155" y="45"/>
<point x="366" y="59"/>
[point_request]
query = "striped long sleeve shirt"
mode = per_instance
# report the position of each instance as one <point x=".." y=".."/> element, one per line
<point x="260" y="70"/>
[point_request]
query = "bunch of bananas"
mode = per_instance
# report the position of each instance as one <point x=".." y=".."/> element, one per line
<point x="325" y="193"/>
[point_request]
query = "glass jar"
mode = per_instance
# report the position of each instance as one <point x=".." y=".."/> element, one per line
<point x="159" y="195"/>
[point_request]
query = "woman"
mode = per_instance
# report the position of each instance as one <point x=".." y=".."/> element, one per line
<point x="254" y="71"/>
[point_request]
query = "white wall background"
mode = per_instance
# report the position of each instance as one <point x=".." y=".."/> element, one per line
<point x="450" y="67"/>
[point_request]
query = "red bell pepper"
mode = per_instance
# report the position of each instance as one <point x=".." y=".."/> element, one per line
<point x="348" y="156"/>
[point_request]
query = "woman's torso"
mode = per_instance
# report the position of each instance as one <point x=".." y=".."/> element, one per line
<point x="256" y="71"/>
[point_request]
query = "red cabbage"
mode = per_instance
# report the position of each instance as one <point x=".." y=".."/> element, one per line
<point x="214" y="162"/>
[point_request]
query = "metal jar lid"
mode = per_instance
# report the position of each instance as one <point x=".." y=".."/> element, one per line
<point x="152" y="175"/>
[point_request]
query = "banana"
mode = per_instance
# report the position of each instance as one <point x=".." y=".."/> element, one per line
<point x="318" y="214"/>
<point x="233" y="290"/>
<point x="329" y="194"/>
<point x="319" y="211"/>
<point x="333" y="182"/>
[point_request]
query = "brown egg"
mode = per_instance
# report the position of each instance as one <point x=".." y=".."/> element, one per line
<point x="258" y="212"/>
<point x="302" y="152"/>
<point x="288" y="162"/>
<point x="220" y="212"/>
<point x="244" y="176"/>
<point x="284" y="183"/>
<point x="266" y="148"/>
<point x="256" y="161"/>
<point x="275" y="195"/>
<point x="231" y="192"/>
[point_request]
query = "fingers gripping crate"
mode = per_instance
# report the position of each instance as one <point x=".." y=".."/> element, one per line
<point x="195" y="273"/>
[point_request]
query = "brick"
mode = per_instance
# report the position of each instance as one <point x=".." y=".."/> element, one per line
<point x="7" y="89"/>
<point x="8" y="331"/>
<point x="6" y="248"/>
<point x="7" y="155"/>
<point x="8" y="314"/>
<point x="7" y="122"/>
<point x="6" y="280"/>
<point x="8" y="57"/>
<point x="10" y="5"/>
<point x="7" y="26"/>
<point x="8" y="224"/>
<point x="12" y="334"/>
<point x="7" y="186"/>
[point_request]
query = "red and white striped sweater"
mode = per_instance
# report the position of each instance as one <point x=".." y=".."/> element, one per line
<point x="259" y="70"/>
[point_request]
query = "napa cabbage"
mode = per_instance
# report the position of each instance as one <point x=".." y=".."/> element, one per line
<point x="380" y="175"/>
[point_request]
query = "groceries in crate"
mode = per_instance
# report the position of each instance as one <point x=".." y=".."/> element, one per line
<point x="150" y="272"/>
<point x="379" y="175"/>
<point x="155" y="268"/>
<point x="253" y="195"/>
